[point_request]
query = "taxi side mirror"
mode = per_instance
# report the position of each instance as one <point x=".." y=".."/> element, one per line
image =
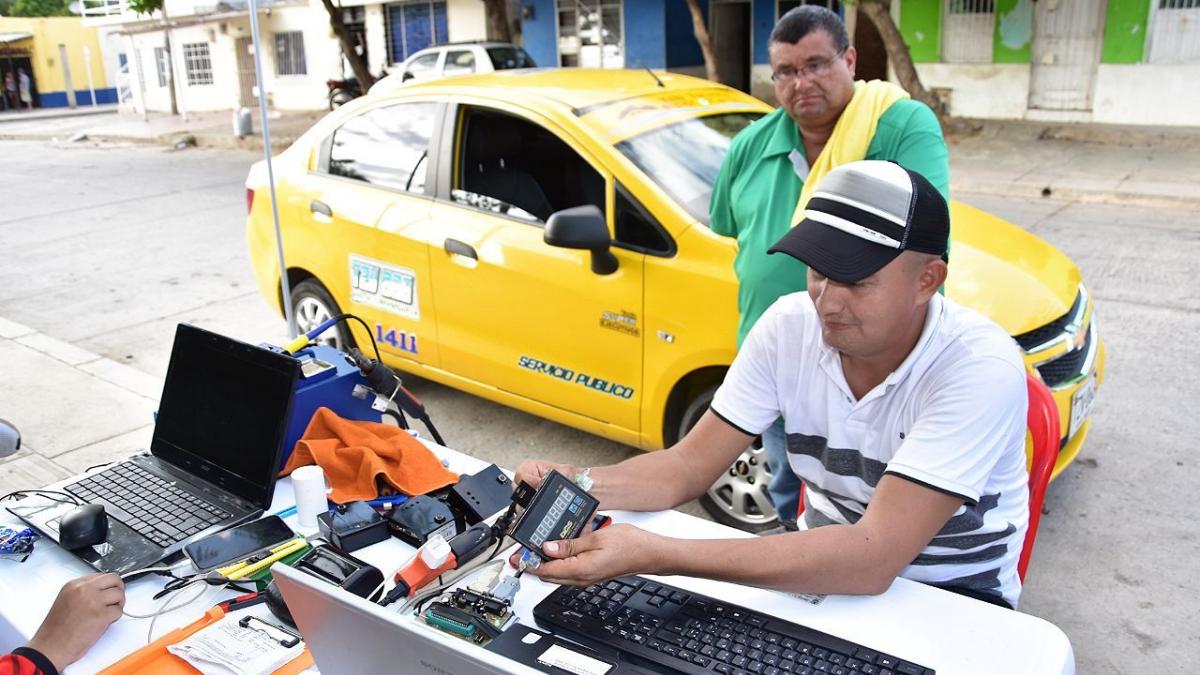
<point x="583" y="227"/>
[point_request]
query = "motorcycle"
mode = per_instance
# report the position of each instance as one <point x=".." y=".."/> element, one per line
<point x="342" y="91"/>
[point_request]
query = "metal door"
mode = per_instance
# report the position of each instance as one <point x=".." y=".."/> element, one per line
<point x="1066" y="51"/>
<point x="245" y="65"/>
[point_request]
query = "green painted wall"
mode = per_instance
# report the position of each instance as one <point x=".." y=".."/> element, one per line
<point x="1014" y="31"/>
<point x="1125" y="31"/>
<point x="921" y="26"/>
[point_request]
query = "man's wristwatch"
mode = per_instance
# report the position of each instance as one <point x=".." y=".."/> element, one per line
<point x="584" y="479"/>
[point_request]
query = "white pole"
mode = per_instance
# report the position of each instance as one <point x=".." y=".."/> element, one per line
<point x="266" y="133"/>
<point x="87" y="64"/>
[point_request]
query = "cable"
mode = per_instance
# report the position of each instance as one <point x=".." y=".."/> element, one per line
<point x="374" y="345"/>
<point x="148" y="570"/>
<point x="164" y="608"/>
<point x="46" y="494"/>
<point x="433" y="430"/>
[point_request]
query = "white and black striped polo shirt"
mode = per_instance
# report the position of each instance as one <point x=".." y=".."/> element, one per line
<point x="952" y="417"/>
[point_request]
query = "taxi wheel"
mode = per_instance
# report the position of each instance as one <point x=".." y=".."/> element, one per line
<point x="312" y="305"/>
<point x="739" y="498"/>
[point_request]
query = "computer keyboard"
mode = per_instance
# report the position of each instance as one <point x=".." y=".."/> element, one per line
<point x="681" y="631"/>
<point x="153" y="507"/>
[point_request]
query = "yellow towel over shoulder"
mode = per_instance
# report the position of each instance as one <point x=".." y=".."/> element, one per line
<point x="851" y="135"/>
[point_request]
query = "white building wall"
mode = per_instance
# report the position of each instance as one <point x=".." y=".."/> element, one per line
<point x="377" y="47"/>
<point x="1147" y="94"/>
<point x="322" y="55"/>
<point x="465" y="20"/>
<point x="984" y="90"/>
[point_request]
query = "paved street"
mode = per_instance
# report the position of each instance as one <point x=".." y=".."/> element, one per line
<point x="106" y="248"/>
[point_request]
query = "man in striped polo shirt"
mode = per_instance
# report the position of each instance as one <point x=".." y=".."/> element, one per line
<point x="905" y="420"/>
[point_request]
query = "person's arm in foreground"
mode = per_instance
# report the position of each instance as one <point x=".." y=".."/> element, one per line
<point x="863" y="558"/>
<point x="84" y="609"/>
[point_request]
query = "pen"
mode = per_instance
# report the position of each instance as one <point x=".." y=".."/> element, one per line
<point x="275" y="554"/>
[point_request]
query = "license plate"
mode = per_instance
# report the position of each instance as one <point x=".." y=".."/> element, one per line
<point x="1081" y="403"/>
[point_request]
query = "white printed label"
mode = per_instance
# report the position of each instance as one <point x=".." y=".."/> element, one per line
<point x="573" y="662"/>
<point x="384" y="286"/>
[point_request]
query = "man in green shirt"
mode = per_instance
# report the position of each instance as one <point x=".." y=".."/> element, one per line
<point x="760" y="181"/>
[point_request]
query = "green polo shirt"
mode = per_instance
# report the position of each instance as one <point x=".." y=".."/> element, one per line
<point x="757" y="189"/>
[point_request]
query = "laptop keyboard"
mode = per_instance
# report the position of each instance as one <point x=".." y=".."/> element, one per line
<point x="151" y="506"/>
<point x="687" y="632"/>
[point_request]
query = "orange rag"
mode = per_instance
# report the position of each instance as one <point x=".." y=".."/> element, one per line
<point x="361" y="457"/>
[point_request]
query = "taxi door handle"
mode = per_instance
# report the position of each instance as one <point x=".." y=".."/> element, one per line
<point x="457" y="247"/>
<point x="320" y="207"/>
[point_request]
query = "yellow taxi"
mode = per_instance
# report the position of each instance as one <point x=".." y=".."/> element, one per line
<point x="539" y="238"/>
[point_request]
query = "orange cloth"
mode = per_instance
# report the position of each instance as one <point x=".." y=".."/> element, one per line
<point x="361" y="457"/>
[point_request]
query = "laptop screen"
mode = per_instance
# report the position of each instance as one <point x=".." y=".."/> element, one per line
<point x="224" y="412"/>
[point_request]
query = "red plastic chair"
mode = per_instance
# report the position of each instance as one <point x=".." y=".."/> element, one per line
<point x="1044" y="432"/>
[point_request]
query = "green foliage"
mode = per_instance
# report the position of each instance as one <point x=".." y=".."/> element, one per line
<point x="145" y="6"/>
<point x="38" y="8"/>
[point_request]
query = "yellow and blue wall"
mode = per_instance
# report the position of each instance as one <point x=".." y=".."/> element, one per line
<point x="47" y="34"/>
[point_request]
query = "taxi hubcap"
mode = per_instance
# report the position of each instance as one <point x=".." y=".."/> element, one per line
<point x="742" y="493"/>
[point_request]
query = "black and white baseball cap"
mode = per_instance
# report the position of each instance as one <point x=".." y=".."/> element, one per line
<point x="862" y="216"/>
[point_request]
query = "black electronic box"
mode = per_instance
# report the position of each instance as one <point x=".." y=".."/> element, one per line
<point x="559" y="509"/>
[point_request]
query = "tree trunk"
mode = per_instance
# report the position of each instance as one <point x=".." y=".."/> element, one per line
<point x="700" y="30"/>
<point x="170" y="60"/>
<point x="497" y="20"/>
<point x="899" y="55"/>
<point x="361" y="71"/>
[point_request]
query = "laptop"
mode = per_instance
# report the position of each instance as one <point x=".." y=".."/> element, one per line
<point x="349" y="635"/>
<point x="213" y="456"/>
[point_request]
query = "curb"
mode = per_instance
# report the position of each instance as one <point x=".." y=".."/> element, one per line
<point x="1085" y="195"/>
<point x="168" y="140"/>
<point x="30" y="117"/>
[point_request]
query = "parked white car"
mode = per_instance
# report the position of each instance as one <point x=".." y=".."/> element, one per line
<point x="459" y="58"/>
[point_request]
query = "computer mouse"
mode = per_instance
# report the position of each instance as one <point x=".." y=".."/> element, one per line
<point x="85" y="525"/>
<point x="276" y="604"/>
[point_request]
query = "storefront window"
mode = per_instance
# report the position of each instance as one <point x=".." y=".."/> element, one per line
<point x="590" y="34"/>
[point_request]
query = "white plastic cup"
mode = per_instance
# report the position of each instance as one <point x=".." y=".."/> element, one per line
<point x="308" y="482"/>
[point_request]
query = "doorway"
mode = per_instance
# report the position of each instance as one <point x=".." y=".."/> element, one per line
<point x="1066" y="52"/>
<point x="730" y="33"/>
<point x="872" y="61"/>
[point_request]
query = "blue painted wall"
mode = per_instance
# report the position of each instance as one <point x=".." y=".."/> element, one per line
<point x="58" y="99"/>
<point x="645" y="26"/>
<point x="682" y="48"/>
<point x="540" y="33"/>
<point x="762" y="21"/>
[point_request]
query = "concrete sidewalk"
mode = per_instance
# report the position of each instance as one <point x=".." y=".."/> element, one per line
<point x="1146" y="166"/>
<point x="208" y="129"/>
<point x="103" y="409"/>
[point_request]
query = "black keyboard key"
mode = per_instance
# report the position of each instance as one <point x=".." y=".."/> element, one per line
<point x="865" y="655"/>
<point x="909" y="668"/>
<point x="884" y="661"/>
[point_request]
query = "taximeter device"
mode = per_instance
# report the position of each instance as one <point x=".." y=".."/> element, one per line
<point x="558" y="509"/>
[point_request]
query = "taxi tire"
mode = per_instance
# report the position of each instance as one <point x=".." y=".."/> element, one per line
<point x="310" y="291"/>
<point x="710" y="500"/>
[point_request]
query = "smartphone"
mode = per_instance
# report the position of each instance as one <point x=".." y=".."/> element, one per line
<point x="238" y="543"/>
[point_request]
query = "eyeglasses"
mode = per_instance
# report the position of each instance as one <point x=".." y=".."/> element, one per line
<point x="813" y="69"/>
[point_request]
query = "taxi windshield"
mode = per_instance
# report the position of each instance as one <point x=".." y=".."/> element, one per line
<point x="683" y="158"/>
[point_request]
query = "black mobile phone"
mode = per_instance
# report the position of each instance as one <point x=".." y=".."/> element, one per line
<point x="238" y="543"/>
